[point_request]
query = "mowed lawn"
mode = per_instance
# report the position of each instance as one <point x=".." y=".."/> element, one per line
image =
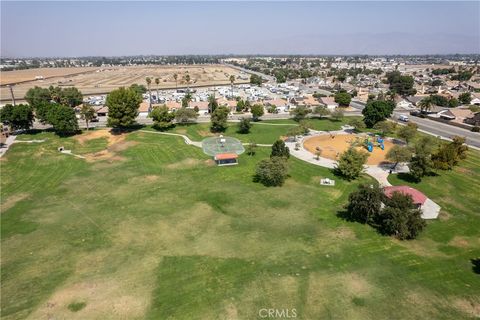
<point x="153" y="230"/>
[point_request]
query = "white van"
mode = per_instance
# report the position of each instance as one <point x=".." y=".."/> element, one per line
<point x="403" y="118"/>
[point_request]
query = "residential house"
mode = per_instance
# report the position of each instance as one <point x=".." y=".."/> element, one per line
<point x="328" y="102"/>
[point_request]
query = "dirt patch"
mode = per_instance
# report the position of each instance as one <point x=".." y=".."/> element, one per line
<point x="185" y="164"/>
<point x="342" y="233"/>
<point x="205" y="133"/>
<point x="423" y="248"/>
<point x="459" y="242"/>
<point x="472" y="308"/>
<point x="333" y="293"/>
<point x="181" y="131"/>
<point x="209" y="163"/>
<point x="464" y="170"/>
<point x="13" y="200"/>
<point x="115" y="143"/>
<point x="231" y="312"/>
<point x="332" y="146"/>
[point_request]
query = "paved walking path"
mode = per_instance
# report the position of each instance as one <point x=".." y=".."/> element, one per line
<point x="11" y="140"/>
<point x="185" y="138"/>
<point x="430" y="209"/>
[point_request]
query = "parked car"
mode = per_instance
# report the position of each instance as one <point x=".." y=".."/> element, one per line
<point x="403" y="118"/>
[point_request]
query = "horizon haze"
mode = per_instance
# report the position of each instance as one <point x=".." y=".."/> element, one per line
<point x="74" y="29"/>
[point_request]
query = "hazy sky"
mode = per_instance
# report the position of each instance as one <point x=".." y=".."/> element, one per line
<point x="130" y="28"/>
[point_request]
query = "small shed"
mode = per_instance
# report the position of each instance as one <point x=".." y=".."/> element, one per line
<point x="226" y="159"/>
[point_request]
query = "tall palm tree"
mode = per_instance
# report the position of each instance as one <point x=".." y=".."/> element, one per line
<point x="175" y="76"/>
<point x="149" y="81"/>
<point x="187" y="79"/>
<point x="232" y="80"/>
<point x="157" y="82"/>
<point x="425" y="104"/>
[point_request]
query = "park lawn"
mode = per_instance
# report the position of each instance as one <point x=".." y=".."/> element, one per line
<point x="159" y="232"/>
<point x="263" y="132"/>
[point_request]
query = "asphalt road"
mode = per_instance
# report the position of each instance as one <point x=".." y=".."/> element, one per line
<point x="443" y="130"/>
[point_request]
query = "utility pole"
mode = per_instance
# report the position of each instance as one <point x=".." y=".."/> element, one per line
<point x="11" y="93"/>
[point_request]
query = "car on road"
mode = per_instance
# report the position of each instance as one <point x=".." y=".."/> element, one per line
<point x="403" y="118"/>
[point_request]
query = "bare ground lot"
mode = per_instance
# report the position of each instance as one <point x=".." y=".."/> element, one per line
<point x="93" y="81"/>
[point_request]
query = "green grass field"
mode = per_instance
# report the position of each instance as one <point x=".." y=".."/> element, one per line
<point x="158" y="232"/>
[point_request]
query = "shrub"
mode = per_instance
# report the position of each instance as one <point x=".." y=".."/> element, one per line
<point x="279" y="149"/>
<point x="350" y="164"/>
<point x="244" y="126"/>
<point x="400" y="218"/>
<point x="476" y="129"/>
<point x="364" y="205"/>
<point x="271" y="172"/>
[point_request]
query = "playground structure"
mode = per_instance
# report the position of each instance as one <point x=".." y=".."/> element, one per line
<point x="370" y="143"/>
<point x="332" y="145"/>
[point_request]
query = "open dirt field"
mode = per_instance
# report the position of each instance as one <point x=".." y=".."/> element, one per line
<point x="91" y="81"/>
<point x="332" y="146"/>
<point x="8" y="77"/>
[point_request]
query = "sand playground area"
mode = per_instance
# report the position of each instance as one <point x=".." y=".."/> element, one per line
<point x="332" y="145"/>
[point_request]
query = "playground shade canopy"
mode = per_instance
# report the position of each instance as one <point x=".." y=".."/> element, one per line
<point x="222" y="145"/>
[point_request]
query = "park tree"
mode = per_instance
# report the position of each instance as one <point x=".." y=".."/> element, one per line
<point x="71" y="97"/>
<point x="408" y="132"/>
<point x="421" y="163"/>
<point x="385" y="127"/>
<point x="279" y="149"/>
<point x="19" y="117"/>
<point x="63" y="119"/>
<point x="244" y="125"/>
<point x="357" y="124"/>
<point x="402" y="85"/>
<point x="37" y="95"/>
<point x="257" y="111"/>
<point x="399" y="154"/>
<point x="219" y="119"/>
<point x="251" y="149"/>
<point x="271" y="172"/>
<point x="321" y="111"/>
<point x="186" y="100"/>
<point x="175" y="77"/>
<point x="450" y="154"/>
<point x="337" y="115"/>
<point x="300" y="113"/>
<point x="376" y="111"/>
<point x="364" y="205"/>
<point x="401" y="218"/>
<point x="295" y="131"/>
<point x="162" y="117"/>
<point x="212" y="103"/>
<point x="157" y="82"/>
<point x="41" y="111"/>
<point x="232" y="81"/>
<point x="185" y="115"/>
<point x="87" y="113"/>
<point x="139" y="88"/>
<point x="465" y="98"/>
<point x="351" y="162"/>
<point x="240" y="105"/>
<point x="343" y="99"/>
<point x="123" y="107"/>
